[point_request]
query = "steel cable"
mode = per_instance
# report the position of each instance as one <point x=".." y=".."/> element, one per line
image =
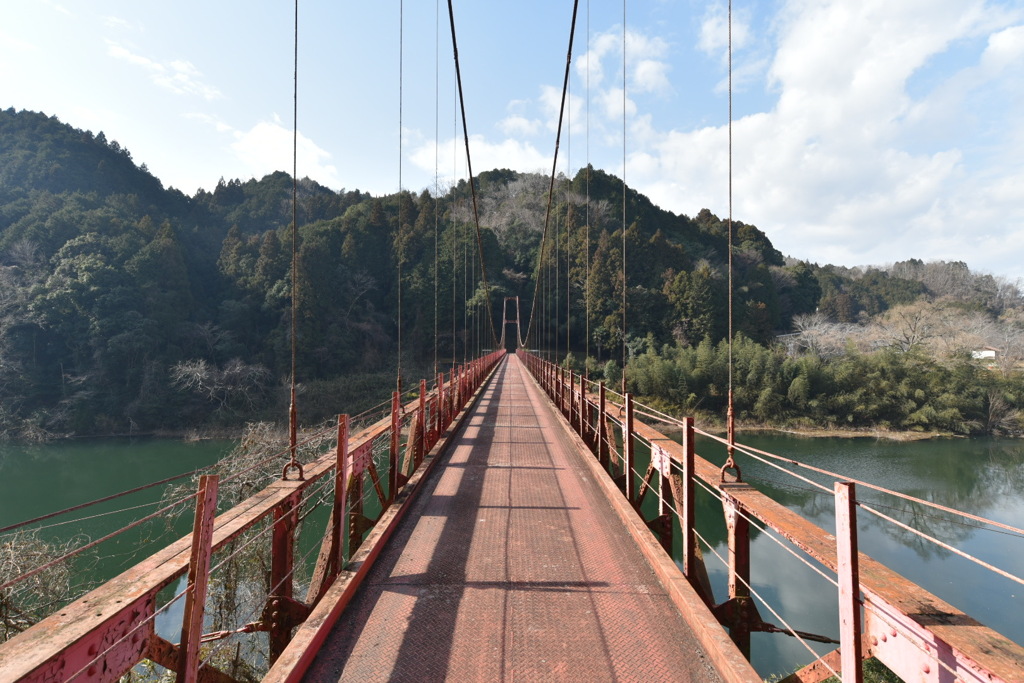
<point x="472" y="182"/>
<point x="103" y="500"/>
<point x="554" y="167"/>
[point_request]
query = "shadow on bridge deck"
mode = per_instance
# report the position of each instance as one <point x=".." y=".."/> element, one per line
<point x="511" y="565"/>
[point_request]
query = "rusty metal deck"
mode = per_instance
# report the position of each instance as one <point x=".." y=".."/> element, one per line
<point x="511" y="566"/>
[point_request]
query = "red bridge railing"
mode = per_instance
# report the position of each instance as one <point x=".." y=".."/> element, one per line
<point x="365" y="478"/>
<point x="882" y="614"/>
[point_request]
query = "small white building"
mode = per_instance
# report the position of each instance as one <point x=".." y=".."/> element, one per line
<point x="985" y="353"/>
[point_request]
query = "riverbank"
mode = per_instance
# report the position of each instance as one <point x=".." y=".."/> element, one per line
<point x="713" y="424"/>
<point x="855" y="433"/>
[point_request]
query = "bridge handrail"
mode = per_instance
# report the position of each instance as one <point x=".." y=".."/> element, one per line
<point x="755" y="452"/>
<point x="896" y="610"/>
<point x="104" y="633"/>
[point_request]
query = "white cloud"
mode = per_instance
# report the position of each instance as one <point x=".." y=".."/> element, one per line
<point x="574" y="115"/>
<point x="518" y="125"/>
<point x="508" y="153"/>
<point x="651" y="75"/>
<point x="213" y="121"/>
<point x="610" y="102"/>
<point x="12" y="42"/>
<point x="1005" y="49"/>
<point x="57" y="7"/>
<point x="179" y="76"/>
<point x="645" y="60"/>
<point x="117" y="23"/>
<point x="845" y="166"/>
<point x="602" y="45"/>
<point x="267" y="147"/>
<point x="714" y="32"/>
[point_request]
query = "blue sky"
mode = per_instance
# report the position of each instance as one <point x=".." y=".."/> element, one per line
<point x="865" y="131"/>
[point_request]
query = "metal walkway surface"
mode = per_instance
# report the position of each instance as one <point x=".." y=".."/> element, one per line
<point x="511" y="565"/>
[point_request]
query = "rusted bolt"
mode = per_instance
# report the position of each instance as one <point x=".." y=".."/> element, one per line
<point x="884" y="638"/>
<point x="273" y="625"/>
<point x="275" y="615"/>
<point x="893" y="633"/>
<point x="276" y="603"/>
<point x="925" y="668"/>
<point x="874" y="641"/>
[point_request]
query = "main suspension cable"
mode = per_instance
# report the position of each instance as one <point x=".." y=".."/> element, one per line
<point x="469" y="169"/>
<point x="401" y="245"/>
<point x="293" y="415"/>
<point x="437" y="133"/>
<point x="624" y="283"/>
<point x="557" y="287"/>
<point x="453" y="229"/>
<point x="568" y="223"/>
<point x="730" y="411"/>
<point x="554" y="166"/>
<point x="587" y="295"/>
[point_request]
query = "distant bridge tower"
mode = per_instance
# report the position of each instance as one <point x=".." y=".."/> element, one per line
<point x="506" y="321"/>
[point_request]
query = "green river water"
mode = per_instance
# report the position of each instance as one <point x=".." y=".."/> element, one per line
<point x="982" y="476"/>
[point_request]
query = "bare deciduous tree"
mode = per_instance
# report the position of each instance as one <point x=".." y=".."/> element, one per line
<point x="237" y="383"/>
<point x="36" y="597"/>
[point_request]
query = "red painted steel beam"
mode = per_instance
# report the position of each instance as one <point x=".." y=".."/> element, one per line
<point x="982" y="650"/>
<point x="929" y="632"/>
<point x="198" y="578"/>
<point x="302" y="650"/>
<point x="113" y="618"/>
<point x="727" y="659"/>
<point x="849" y="582"/>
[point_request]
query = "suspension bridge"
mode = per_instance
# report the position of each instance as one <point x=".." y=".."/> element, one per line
<point x="528" y="524"/>
<point x="507" y="519"/>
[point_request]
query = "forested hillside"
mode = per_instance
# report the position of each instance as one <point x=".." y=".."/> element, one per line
<point x="128" y="307"/>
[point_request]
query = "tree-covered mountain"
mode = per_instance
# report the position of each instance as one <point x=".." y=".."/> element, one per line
<point x="125" y="306"/>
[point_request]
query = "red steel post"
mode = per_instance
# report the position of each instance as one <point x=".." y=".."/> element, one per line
<point x="396" y="419"/>
<point x="567" y="387"/>
<point x="558" y="389"/>
<point x="449" y="400"/>
<point x="422" y="424"/>
<point x="688" y="517"/>
<point x="602" y="423"/>
<point x="849" y="582"/>
<point x="198" y="578"/>
<point x="341" y="476"/>
<point x="628" y="451"/>
<point x="584" y="408"/>
<point x="282" y="564"/>
<point x="456" y="391"/>
<point x="570" y="391"/>
<point x="442" y="417"/>
<point x="739" y="570"/>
